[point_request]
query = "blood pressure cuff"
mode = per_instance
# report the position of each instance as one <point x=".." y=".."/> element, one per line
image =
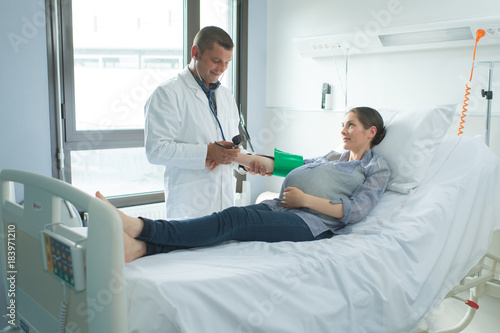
<point x="285" y="162"/>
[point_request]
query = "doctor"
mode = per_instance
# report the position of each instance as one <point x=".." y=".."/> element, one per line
<point x="188" y="118"/>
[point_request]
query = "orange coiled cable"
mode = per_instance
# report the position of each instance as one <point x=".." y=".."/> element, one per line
<point x="480" y="33"/>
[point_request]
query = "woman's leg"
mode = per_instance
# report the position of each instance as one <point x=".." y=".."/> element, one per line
<point x="251" y="223"/>
<point x="132" y="227"/>
<point x="133" y="248"/>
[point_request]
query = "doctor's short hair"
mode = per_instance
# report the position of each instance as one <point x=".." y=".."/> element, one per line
<point x="206" y="37"/>
<point x="370" y="117"/>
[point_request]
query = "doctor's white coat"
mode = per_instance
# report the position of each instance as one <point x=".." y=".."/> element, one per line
<point x="179" y="126"/>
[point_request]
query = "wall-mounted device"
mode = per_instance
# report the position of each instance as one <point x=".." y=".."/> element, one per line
<point x="382" y="38"/>
<point x="325" y="90"/>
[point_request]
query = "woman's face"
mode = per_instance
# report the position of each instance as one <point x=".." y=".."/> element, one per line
<point x="356" y="138"/>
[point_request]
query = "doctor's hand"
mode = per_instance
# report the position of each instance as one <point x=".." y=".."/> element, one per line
<point x="293" y="198"/>
<point x="217" y="155"/>
<point x="211" y="164"/>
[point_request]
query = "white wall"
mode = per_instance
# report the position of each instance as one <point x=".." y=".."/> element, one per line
<point x="24" y="109"/>
<point x="294" y="81"/>
<point x="256" y="122"/>
<point x="396" y="80"/>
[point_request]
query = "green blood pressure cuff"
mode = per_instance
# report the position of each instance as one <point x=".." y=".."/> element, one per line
<point x="285" y="162"/>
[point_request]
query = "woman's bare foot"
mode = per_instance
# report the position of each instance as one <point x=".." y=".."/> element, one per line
<point x="132" y="226"/>
<point x="134" y="248"/>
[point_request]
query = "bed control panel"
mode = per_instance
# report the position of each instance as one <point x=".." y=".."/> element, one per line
<point x="63" y="258"/>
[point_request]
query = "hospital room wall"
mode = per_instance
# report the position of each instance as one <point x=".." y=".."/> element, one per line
<point x="256" y="87"/>
<point x="24" y="105"/>
<point x="406" y="80"/>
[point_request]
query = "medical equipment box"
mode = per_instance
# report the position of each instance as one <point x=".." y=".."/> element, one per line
<point x="64" y="258"/>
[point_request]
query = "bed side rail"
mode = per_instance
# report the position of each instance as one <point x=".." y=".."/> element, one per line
<point x="35" y="293"/>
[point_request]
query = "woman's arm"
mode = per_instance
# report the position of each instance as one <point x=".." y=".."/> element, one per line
<point x="296" y="198"/>
<point x="366" y="195"/>
<point x="256" y="163"/>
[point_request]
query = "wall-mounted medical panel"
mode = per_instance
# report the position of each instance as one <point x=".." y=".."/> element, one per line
<point x="373" y="37"/>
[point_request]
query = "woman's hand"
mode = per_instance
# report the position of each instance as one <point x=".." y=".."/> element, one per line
<point x="293" y="198"/>
<point x="256" y="164"/>
<point x="217" y="155"/>
<point x="257" y="169"/>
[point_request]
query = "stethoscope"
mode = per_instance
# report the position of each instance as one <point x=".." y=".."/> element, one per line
<point x="210" y="92"/>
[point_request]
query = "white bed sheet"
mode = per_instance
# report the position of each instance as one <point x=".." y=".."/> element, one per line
<point x="386" y="276"/>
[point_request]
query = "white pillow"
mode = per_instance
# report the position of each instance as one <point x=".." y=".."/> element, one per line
<point x="410" y="142"/>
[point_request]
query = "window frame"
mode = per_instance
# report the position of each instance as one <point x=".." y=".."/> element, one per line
<point x="64" y="135"/>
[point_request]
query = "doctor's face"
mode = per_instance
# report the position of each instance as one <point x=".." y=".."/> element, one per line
<point x="212" y="63"/>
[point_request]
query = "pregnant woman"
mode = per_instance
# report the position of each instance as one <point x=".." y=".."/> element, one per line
<point x="319" y="198"/>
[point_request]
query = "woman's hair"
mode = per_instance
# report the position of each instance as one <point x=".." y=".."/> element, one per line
<point x="206" y="37"/>
<point x="370" y="117"/>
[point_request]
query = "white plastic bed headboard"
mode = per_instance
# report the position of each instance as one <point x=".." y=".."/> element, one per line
<point x="101" y="307"/>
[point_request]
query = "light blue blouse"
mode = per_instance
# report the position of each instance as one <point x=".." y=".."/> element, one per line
<point x="357" y="184"/>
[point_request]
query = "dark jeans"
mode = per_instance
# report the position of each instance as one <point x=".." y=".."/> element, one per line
<point x="250" y="223"/>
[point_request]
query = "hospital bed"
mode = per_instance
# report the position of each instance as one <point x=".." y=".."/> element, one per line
<point x="386" y="275"/>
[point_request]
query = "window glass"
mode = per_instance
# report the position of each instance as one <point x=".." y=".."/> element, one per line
<point x="122" y="51"/>
<point x="220" y="13"/>
<point x="115" y="171"/>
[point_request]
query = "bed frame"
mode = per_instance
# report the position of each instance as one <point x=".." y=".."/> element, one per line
<point x="33" y="306"/>
<point x="481" y="280"/>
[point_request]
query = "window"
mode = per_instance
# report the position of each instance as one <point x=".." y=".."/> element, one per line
<point x="111" y="94"/>
<point x="222" y="13"/>
<point x="115" y="53"/>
